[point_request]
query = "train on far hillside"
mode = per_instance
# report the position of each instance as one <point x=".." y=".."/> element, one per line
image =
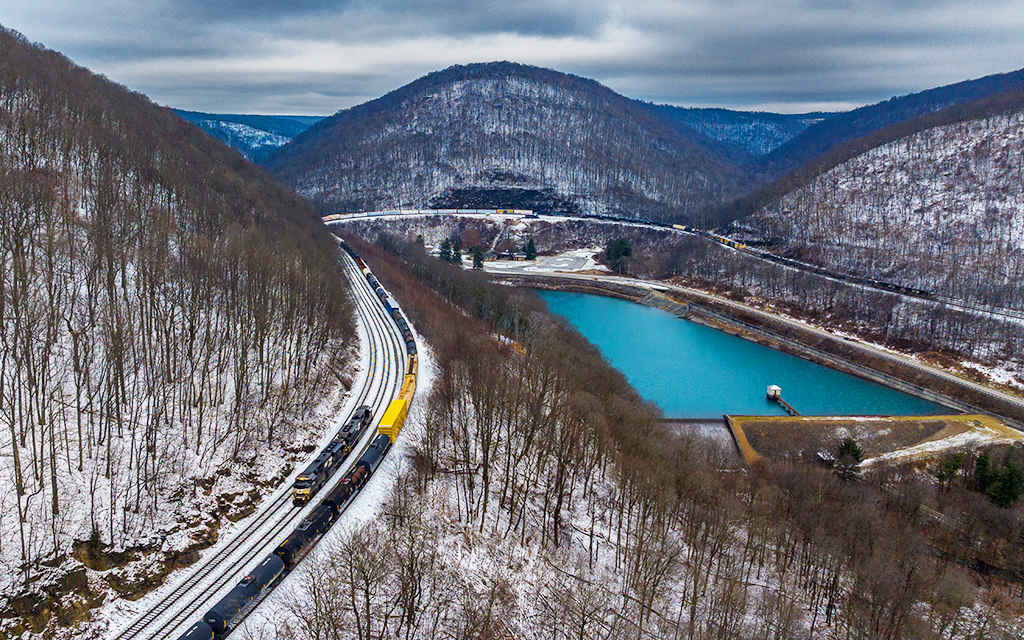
<point x="219" y="620"/>
<point x="723" y="240"/>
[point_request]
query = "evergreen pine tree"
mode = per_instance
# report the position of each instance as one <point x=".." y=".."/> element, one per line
<point x="848" y="458"/>
<point x="478" y="258"/>
<point x="1006" y="487"/>
<point x="949" y="469"/>
<point x="983" y="472"/>
<point x="531" y="250"/>
<point x="617" y="253"/>
<point x="849" y="448"/>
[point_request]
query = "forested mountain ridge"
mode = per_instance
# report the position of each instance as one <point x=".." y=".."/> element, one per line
<point x="509" y="135"/>
<point x="818" y="139"/>
<point x="254" y="136"/>
<point x="941" y="210"/>
<point x="170" y="313"/>
<point x="504" y="134"/>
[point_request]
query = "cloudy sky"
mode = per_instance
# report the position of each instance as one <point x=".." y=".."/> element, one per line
<point x="319" y="56"/>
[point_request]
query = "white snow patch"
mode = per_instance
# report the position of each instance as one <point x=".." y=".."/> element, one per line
<point x="974" y="438"/>
<point x="998" y="375"/>
<point x="366" y="506"/>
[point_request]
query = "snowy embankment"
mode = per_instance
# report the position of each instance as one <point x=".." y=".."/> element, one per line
<point x="940" y="210"/>
<point x="249" y="487"/>
<point x="484" y="561"/>
<point x="274" y="469"/>
<point x="970" y="435"/>
<point x="490" y="576"/>
<point x="276" y="612"/>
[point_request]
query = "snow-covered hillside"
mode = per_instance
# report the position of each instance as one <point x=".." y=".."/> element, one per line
<point x="254" y="136"/>
<point x="170" y="319"/>
<point x="758" y="136"/>
<point x="537" y="496"/>
<point x="500" y="127"/>
<point x="252" y="142"/>
<point x="756" y="133"/>
<point x="942" y="210"/>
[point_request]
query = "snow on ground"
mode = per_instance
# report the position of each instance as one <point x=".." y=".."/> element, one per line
<point x="1005" y="375"/>
<point x="482" y="556"/>
<point x="244" y="137"/>
<point x="332" y="412"/>
<point x="273" y="611"/>
<point x="996" y="375"/>
<point x="975" y="438"/>
<point x="999" y="375"/>
<point x="569" y="261"/>
<point x="541" y="578"/>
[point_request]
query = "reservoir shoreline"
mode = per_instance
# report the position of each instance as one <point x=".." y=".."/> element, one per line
<point x="835" y="353"/>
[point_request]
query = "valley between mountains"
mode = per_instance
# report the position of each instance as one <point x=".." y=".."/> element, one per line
<point x="183" y="335"/>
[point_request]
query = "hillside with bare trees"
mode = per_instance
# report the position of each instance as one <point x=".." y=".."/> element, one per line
<point x="940" y="210"/>
<point x="521" y="136"/>
<point x="168" y="313"/>
<point x="544" y="499"/>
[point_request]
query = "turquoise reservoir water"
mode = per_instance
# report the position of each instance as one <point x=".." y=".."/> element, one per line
<point x="692" y="371"/>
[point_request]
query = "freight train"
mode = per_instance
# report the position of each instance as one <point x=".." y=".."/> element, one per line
<point x="221" y="617"/>
<point x="870" y="282"/>
<point x="316" y="475"/>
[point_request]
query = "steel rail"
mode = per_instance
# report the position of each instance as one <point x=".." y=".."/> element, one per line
<point x="168" y="614"/>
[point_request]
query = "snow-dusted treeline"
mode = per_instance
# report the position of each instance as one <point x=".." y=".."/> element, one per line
<point x="940" y="210"/>
<point x="889" y="318"/>
<point x="166" y="309"/>
<point x="252" y="142"/>
<point x="903" y="322"/>
<point x="544" y="500"/>
<point x="254" y="136"/>
<point x="756" y="133"/>
<point x="503" y="126"/>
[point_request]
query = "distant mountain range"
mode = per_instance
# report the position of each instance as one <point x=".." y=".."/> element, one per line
<point x="503" y="134"/>
<point x="253" y="135"/>
<point x="742" y="135"/>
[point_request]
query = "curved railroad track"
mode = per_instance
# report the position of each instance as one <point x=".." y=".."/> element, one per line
<point x="173" y="611"/>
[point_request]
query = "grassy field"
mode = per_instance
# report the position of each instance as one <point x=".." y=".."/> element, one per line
<point x="881" y="437"/>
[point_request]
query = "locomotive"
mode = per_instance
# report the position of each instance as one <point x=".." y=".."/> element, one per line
<point x="309" y="482"/>
<point x="218" y="620"/>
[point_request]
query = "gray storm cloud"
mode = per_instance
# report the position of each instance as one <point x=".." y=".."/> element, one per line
<point x="318" y="56"/>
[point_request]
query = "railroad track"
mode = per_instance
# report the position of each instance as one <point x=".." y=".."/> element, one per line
<point x="1004" y="313"/>
<point x="185" y="603"/>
